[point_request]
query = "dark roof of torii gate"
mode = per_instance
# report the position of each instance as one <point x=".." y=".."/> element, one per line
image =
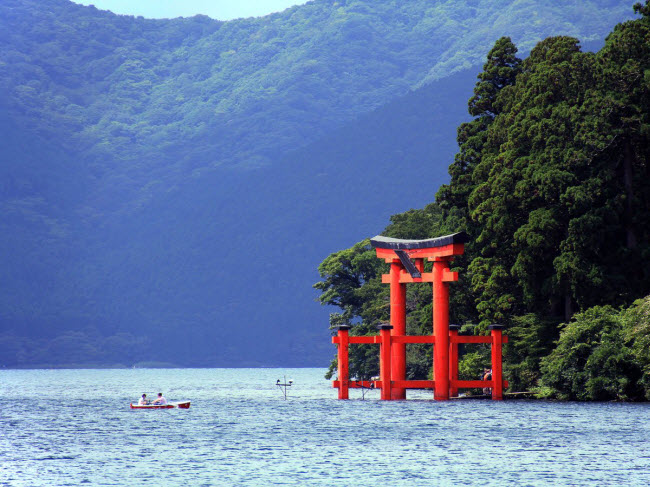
<point x="399" y="243"/>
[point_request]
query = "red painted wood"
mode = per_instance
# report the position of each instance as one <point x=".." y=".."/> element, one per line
<point x="474" y="339"/>
<point x="428" y="253"/>
<point x="405" y="278"/>
<point x="385" y="364"/>
<point x="415" y="339"/>
<point x="370" y="339"/>
<point x="449" y="276"/>
<point x="398" y="320"/>
<point x="453" y="363"/>
<point x="358" y="384"/>
<point x="415" y="384"/>
<point x="471" y="339"/>
<point x="497" y="374"/>
<point x="393" y="381"/>
<point x="343" y="369"/>
<point x="441" y="331"/>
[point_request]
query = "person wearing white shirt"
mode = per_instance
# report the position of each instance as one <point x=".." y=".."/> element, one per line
<point x="160" y="401"/>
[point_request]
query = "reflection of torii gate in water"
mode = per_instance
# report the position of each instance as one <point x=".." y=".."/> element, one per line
<point x="406" y="259"/>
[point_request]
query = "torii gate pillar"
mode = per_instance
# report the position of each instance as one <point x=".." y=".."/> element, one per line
<point x="441" y="330"/>
<point x="398" y="322"/>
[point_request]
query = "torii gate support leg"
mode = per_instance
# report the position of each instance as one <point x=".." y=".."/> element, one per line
<point x="342" y="356"/>
<point x="440" y="331"/>
<point x="384" y="361"/>
<point x="497" y="357"/>
<point x="453" y="359"/>
<point x="398" y="321"/>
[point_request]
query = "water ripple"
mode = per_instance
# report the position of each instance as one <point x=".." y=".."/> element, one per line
<point x="56" y="429"/>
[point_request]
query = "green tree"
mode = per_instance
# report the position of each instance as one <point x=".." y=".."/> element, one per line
<point x="348" y="277"/>
<point x="519" y="180"/>
<point x="351" y="281"/>
<point x="562" y="177"/>
<point x="531" y="338"/>
<point x="499" y="71"/>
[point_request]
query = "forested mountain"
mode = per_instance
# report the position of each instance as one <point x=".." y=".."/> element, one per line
<point x="242" y="92"/>
<point x="169" y="186"/>
<point x="551" y="181"/>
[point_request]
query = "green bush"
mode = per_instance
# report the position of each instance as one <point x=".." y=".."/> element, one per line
<point x="592" y="360"/>
<point x="637" y="333"/>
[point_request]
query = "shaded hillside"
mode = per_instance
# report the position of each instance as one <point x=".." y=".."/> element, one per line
<point x="165" y="197"/>
<point x="232" y="255"/>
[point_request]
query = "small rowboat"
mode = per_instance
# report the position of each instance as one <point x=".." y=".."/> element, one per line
<point x="169" y="405"/>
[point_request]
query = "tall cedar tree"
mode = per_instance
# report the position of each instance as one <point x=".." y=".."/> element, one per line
<point x="499" y="71"/>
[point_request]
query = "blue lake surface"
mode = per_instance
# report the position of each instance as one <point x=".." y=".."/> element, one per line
<point x="75" y="427"/>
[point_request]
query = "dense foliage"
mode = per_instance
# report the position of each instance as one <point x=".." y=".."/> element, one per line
<point x="551" y="182"/>
<point x="594" y="358"/>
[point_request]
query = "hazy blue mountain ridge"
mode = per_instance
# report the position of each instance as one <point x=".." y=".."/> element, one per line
<point x="168" y="187"/>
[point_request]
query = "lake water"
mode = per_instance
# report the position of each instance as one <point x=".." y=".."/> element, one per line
<point x="74" y="427"/>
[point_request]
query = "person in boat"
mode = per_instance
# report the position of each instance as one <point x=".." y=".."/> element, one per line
<point x="160" y="400"/>
<point x="143" y="400"/>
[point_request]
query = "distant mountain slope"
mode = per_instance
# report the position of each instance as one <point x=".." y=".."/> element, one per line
<point x="198" y="93"/>
<point x="169" y="187"/>
<point x="232" y="255"/>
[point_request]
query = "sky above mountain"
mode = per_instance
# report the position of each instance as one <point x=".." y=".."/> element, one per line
<point x="217" y="9"/>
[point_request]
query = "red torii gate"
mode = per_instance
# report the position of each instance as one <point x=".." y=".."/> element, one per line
<point x="406" y="259"/>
